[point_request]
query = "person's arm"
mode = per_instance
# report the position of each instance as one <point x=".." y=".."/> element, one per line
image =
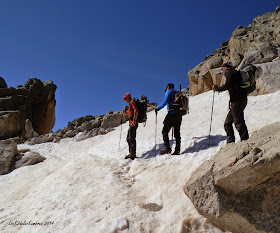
<point x="165" y="101"/>
<point x="227" y="84"/>
<point x="124" y="112"/>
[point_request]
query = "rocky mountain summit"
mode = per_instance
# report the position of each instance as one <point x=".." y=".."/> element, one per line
<point x="258" y="43"/>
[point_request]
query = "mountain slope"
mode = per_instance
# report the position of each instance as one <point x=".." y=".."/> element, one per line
<point x="87" y="186"/>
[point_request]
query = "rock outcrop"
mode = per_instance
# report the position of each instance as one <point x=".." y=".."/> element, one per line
<point x="238" y="189"/>
<point x="35" y="101"/>
<point x="11" y="158"/>
<point x="8" y="151"/>
<point x="257" y="43"/>
<point x="90" y="126"/>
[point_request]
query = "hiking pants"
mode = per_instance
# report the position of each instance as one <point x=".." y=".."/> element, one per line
<point x="170" y="121"/>
<point x="131" y="139"/>
<point x="236" y="116"/>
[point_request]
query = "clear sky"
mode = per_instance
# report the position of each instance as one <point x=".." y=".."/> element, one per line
<point x="97" y="50"/>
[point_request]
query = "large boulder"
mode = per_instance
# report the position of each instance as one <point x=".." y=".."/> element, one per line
<point x="8" y="151"/>
<point x="258" y="43"/>
<point x="29" y="158"/>
<point x="238" y="188"/>
<point x="268" y="77"/>
<point x="35" y="101"/>
<point x="112" y="119"/>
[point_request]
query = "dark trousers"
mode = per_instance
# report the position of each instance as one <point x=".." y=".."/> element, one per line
<point x="170" y="121"/>
<point x="131" y="139"/>
<point x="236" y="116"/>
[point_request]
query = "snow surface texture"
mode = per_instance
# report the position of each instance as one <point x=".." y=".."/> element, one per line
<point x="88" y="186"/>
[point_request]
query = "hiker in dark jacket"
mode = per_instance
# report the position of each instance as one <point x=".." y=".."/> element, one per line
<point x="171" y="120"/>
<point x="133" y="125"/>
<point x="237" y="103"/>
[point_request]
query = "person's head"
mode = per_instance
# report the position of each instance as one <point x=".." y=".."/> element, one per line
<point x="169" y="86"/>
<point x="127" y="97"/>
<point x="226" y="66"/>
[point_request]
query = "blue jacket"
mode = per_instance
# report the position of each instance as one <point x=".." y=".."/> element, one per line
<point x="168" y="100"/>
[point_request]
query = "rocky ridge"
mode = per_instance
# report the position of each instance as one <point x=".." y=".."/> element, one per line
<point x="258" y="43"/>
<point x="35" y="102"/>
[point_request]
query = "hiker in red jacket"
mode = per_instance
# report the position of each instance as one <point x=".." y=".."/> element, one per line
<point x="133" y="125"/>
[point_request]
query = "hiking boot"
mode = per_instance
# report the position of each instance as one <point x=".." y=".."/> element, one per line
<point x="165" y="151"/>
<point x="176" y="152"/>
<point x="130" y="156"/>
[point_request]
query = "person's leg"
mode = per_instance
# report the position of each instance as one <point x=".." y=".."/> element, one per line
<point x="228" y="127"/>
<point x="166" y="128"/>
<point x="177" y="134"/>
<point x="238" y="119"/>
<point x="132" y="139"/>
<point x="127" y="139"/>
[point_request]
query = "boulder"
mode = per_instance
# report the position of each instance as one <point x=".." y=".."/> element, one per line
<point x="268" y="77"/>
<point x="10" y="124"/>
<point x="8" y="151"/>
<point x="29" y="131"/>
<point x="112" y="120"/>
<point x="29" y="158"/>
<point x="41" y="139"/>
<point x="238" y="188"/>
<point x="3" y="83"/>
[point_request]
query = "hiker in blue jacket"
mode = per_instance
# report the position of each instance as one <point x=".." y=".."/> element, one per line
<point x="172" y="119"/>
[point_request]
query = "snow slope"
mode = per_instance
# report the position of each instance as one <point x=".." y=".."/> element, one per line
<point x="88" y="186"/>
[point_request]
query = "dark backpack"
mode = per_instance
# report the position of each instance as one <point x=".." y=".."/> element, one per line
<point x="181" y="102"/>
<point x="248" y="82"/>
<point x="142" y="110"/>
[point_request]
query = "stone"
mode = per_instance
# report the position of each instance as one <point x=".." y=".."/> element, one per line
<point x="3" y="83"/>
<point x="238" y="188"/>
<point x="8" y="151"/>
<point x="41" y="139"/>
<point x="29" y="158"/>
<point x="70" y="134"/>
<point x="111" y="120"/>
<point x="214" y="62"/>
<point x="29" y="131"/>
<point x="268" y="77"/>
<point x="10" y="124"/>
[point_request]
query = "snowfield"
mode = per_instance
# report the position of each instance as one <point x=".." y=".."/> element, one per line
<point x="88" y="186"/>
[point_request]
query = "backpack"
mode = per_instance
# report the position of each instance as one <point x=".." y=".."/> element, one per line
<point x="248" y="82"/>
<point x="142" y="109"/>
<point x="181" y="102"/>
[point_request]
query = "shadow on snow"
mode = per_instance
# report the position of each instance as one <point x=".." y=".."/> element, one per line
<point x="200" y="143"/>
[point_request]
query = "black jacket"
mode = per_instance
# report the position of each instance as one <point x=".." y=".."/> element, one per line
<point x="233" y="83"/>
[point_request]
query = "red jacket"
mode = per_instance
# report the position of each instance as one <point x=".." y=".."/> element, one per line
<point x="132" y="107"/>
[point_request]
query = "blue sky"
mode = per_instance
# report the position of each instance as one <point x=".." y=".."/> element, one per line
<point x="96" y="51"/>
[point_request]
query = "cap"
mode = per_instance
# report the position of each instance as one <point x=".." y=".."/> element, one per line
<point x="170" y="85"/>
<point x="127" y="95"/>
<point x="228" y="65"/>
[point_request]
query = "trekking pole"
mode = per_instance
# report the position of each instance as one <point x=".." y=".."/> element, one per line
<point x="120" y="133"/>
<point x="156" y="137"/>
<point x="211" y="117"/>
